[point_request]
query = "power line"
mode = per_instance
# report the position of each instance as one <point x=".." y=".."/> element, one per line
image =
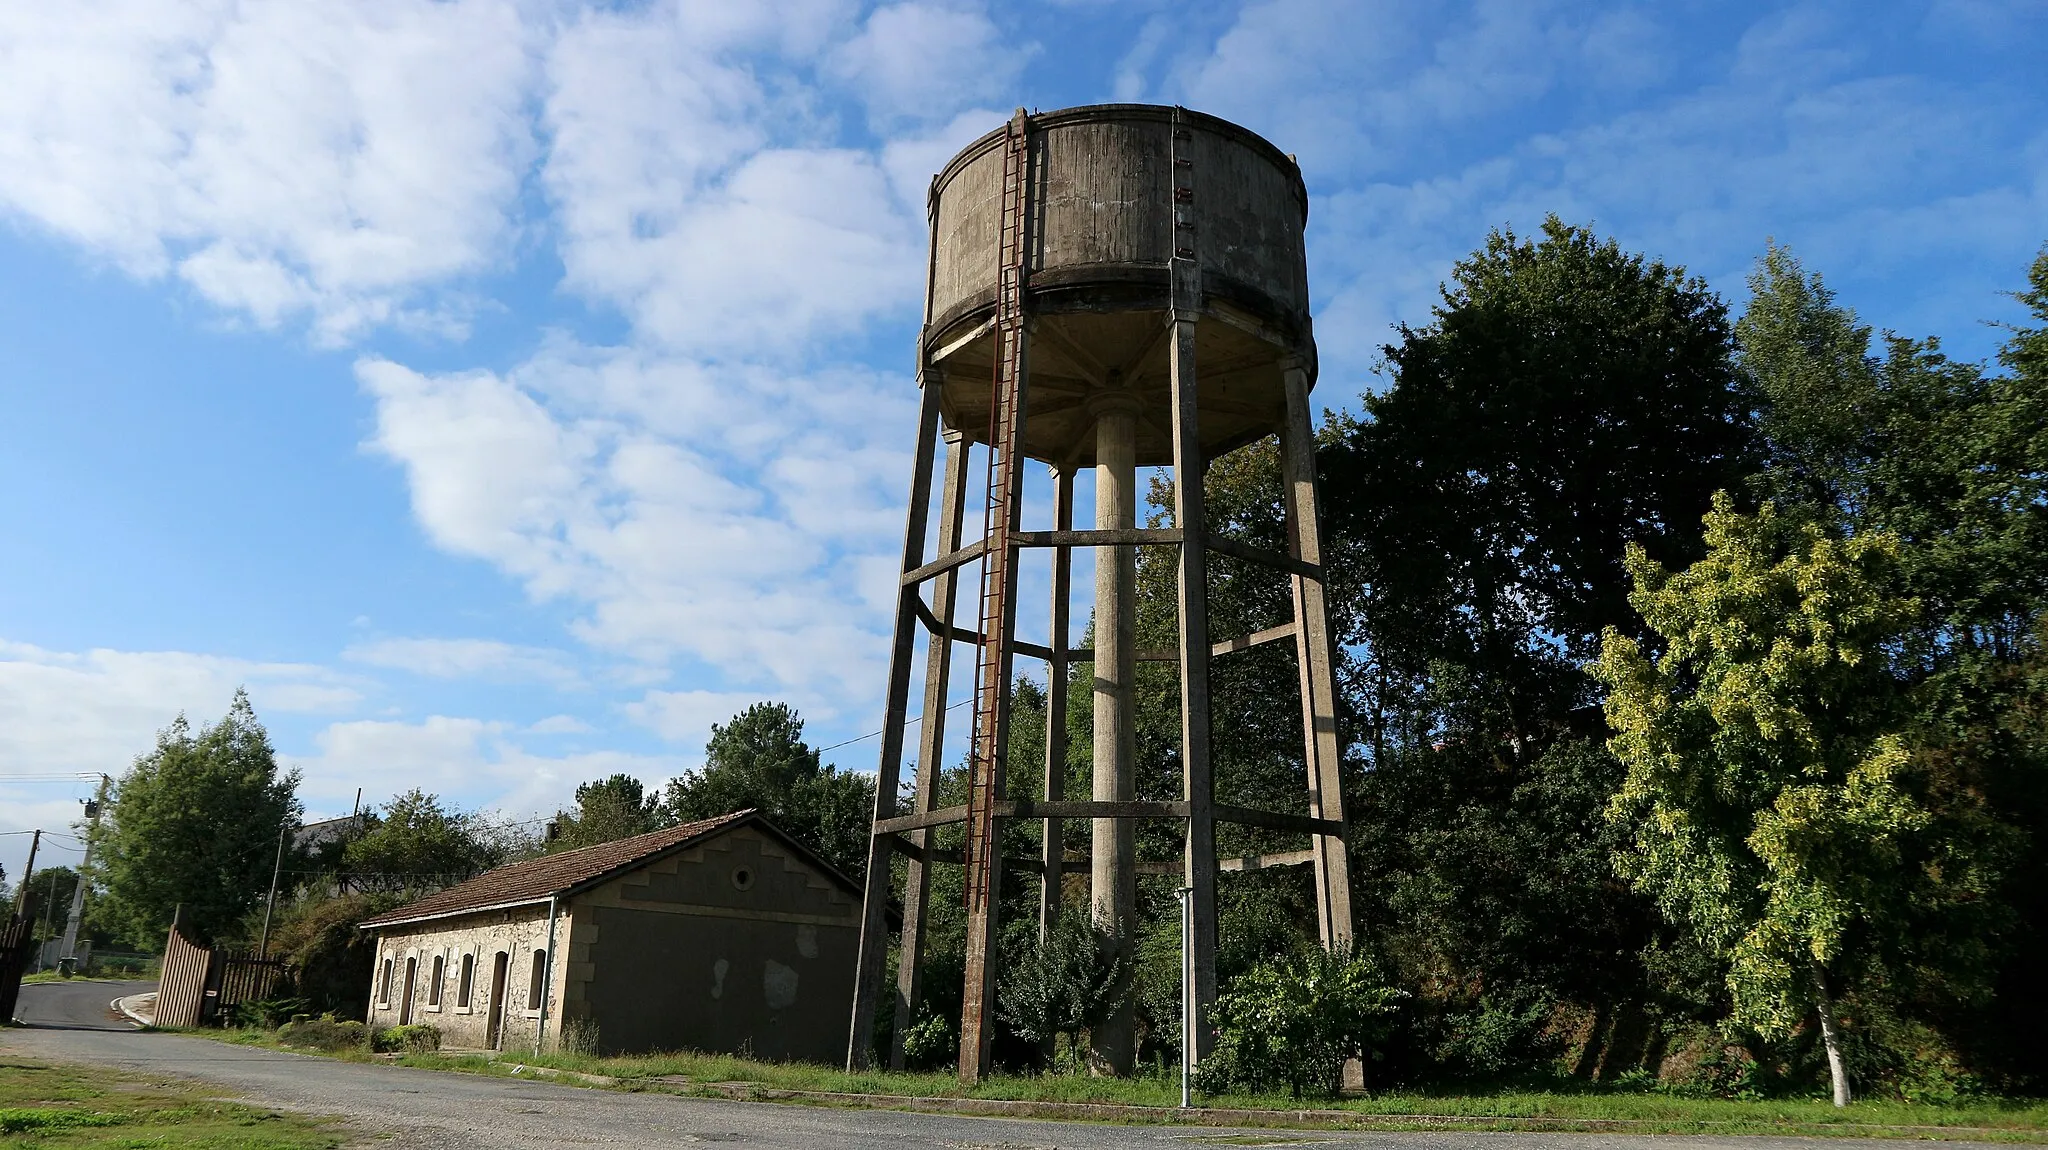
<point x="872" y="734"/>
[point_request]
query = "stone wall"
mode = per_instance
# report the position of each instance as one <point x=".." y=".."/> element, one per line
<point x="515" y="933"/>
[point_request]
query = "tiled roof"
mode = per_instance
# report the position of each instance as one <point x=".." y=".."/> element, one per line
<point x="542" y="878"/>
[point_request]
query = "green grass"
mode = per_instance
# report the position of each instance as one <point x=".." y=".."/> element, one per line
<point x="1568" y="1108"/>
<point x="50" y="1106"/>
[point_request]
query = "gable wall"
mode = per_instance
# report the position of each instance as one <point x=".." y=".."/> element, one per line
<point x="677" y="955"/>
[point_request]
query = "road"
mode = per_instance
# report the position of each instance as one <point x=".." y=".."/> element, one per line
<point x="430" y="1110"/>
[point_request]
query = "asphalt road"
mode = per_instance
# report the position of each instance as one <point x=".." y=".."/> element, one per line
<point x="429" y="1110"/>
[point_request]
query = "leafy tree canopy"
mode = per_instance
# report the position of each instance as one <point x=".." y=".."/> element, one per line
<point x="759" y="760"/>
<point x="194" y="823"/>
<point x="606" y="810"/>
<point x="415" y="843"/>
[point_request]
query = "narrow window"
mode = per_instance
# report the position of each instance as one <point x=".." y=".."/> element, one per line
<point x="540" y="972"/>
<point x="384" y="985"/>
<point x="434" y="983"/>
<point x="467" y="982"/>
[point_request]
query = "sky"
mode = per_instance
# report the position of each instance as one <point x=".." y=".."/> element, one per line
<point x="505" y="392"/>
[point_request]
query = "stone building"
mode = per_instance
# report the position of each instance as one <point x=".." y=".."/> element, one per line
<point x="724" y="935"/>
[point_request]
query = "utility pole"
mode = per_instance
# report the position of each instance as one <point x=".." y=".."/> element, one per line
<point x="263" y="948"/>
<point x="93" y="807"/>
<point x="27" y="872"/>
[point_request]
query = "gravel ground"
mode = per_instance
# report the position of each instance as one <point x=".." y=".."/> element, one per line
<point x="429" y="1110"/>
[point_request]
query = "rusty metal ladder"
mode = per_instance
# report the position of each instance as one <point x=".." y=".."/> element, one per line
<point x="991" y="669"/>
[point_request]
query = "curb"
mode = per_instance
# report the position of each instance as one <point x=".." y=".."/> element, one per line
<point x="121" y="1006"/>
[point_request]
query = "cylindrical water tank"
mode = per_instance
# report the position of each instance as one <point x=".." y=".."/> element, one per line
<point x="1099" y="236"/>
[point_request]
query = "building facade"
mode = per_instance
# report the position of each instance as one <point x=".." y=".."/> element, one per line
<point x="725" y="936"/>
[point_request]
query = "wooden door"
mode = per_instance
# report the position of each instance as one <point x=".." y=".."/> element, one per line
<point x="495" y="1028"/>
<point x="412" y="966"/>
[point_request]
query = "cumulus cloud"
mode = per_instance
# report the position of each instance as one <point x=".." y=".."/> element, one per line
<point x="280" y="159"/>
<point x="916" y="63"/>
<point x="601" y="476"/>
<point x="479" y="763"/>
<point x="71" y="713"/>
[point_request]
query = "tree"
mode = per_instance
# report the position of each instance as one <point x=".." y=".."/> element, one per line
<point x="1771" y="782"/>
<point x="1295" y="1020"/>
<point x="49" y="899"/>
<point x="413" y="843"/>
<point x="1889" y="435"/>
<point x="1566" y="398"/>
<point x="759" y="760"/>
<point x="1057" y="984"/>
<point x="194" y="824"/>
<point x="606" y="810"/>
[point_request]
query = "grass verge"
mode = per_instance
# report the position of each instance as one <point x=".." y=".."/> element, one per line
<point x="1156" y="1099"/>
<point x="51" y="1105"/>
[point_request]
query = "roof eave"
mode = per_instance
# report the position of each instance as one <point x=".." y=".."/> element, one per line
<point x="531" y="900"/>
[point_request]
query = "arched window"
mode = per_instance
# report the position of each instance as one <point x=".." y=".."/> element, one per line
<point x="466" y="983"/>
<point x="434" y="983"/>
<point x="384" y="985"/>
<point x="540" y="974"/>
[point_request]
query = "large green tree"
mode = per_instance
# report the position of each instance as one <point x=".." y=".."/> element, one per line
<point x="1567" y="398"/>
<point x="1867" y="435"/>
<point x="759" y="760"/>
<point x="194" y="824"/>
<point x="1771" y="793"/>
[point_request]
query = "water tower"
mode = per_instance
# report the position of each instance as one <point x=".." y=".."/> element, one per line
<point x="1109" y="287"/>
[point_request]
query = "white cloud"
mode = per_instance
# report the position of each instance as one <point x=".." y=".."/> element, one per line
<point x="95" y="711"/>
<point x="560" y="725"/>
<point x="279" y="158"/>
<point x="685" y="717"/>
<point x="467" y="659"/>
<point x="918" y="63"/>
<point x="474" y="763"/>
<point x="728" y="515"/>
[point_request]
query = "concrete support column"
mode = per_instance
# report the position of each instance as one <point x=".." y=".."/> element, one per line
<point x="931" y="743"/>
<point x="1318" y="663"/>
<point x="1114" y="885"/>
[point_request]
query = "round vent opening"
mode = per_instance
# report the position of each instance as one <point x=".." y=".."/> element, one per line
<point x="742" y="878"/>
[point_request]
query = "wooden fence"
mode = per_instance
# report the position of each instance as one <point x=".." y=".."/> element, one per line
<point x="202" y="986"/>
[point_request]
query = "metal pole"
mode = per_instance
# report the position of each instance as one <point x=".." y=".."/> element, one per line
<point x="1187" y="993"/>
<point x="547" y="979"/>
<point x="276" y="866"/>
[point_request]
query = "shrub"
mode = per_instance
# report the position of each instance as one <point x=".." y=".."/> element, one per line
<point x="418" y="1038"/>
<point x="931" y="1041"/>
<point x="1061" y="984"/>
<point x="324" y="1033"/>
<point x="269" y="1014"/>
<point x="1295" y="1021"/>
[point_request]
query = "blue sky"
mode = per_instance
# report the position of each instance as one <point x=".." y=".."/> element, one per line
<point x="504" y="391"/>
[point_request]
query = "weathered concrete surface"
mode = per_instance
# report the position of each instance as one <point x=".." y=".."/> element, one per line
<point x="430" y="1110"/>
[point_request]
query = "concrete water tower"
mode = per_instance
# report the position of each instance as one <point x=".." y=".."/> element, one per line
<point x="1110" y="287"/>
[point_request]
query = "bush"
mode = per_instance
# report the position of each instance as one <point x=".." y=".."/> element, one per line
<point x="418" y="1038"/>
<point x="269" y="1014"/>
<point x="1296" y="1021"/>
<point x="1057" y="986"/>
<point x="324" y="1033"/>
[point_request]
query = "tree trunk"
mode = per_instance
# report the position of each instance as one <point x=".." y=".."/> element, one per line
<point x="1830" y="1036"/>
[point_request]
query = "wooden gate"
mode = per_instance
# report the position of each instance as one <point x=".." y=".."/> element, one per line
<point x="202" y="986"/>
